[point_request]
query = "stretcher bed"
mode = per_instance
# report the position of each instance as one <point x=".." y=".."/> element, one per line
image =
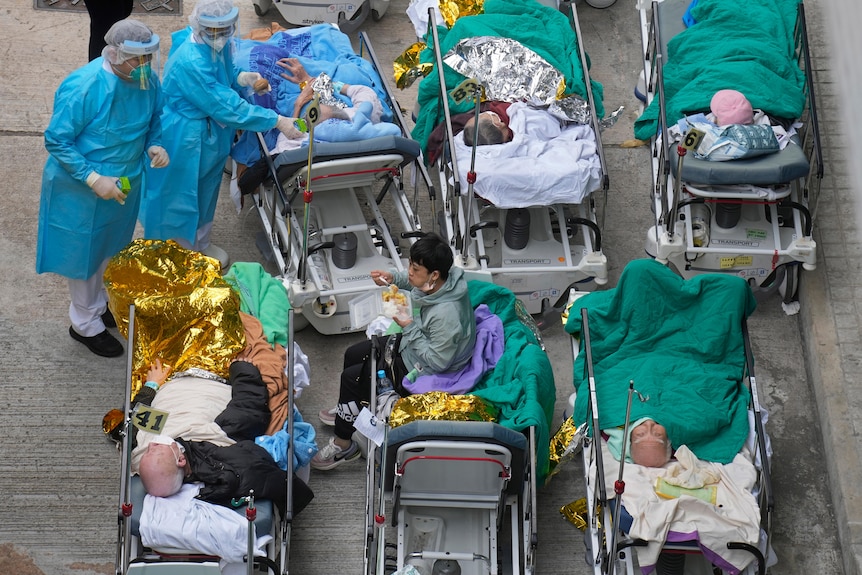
<point x="464" y="491"/>
<point x="181" y="533"/>
<point x="682" y="347"/>
<point x="750" y="217"/>
<point x="332" y="215"/>
<point x="523" y="213"/>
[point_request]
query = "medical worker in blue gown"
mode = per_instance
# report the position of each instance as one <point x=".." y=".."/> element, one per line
<point x="202" y="111"/>
<point x="105" y="127"/>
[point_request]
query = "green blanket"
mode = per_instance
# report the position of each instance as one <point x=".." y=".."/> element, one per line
<point x="680" y="341"/>
<point x="521" y="386"/>
<point x="542" y="29"/>
<point x="742" y="45"/>
<point x="262" y="296"/>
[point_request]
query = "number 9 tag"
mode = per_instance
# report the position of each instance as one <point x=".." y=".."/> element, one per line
<point x="466" y="89"/>
<point x="312" y="115"/>
<point x="148" y="419"/>
<point x="692" y="139"/>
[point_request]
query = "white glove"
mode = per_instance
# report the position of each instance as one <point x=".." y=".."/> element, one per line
<point x="255" y="81"/>
<point x="286" y="127"/>
<point x="158" y="157"/>
<point x="106" y="187"/>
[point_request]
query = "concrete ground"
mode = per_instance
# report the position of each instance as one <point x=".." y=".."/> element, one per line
<point x="59" y="476"/>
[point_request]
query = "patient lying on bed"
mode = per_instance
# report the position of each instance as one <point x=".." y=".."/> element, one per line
<point x="227" y="471"/>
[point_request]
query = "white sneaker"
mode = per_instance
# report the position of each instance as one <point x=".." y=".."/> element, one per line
<point x="215" y="252"/>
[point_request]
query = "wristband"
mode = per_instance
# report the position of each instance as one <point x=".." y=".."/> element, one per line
<point x="336" y="87"/>
<point x="152" y="385"/>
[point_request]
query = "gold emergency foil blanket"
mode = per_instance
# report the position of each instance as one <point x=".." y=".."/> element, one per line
<point x="576" y="513"/>
<point x="439" y="405"/>
<point x="511" y="72"/>
<point x="453" y="10"/>
<point x="186" y="314"/>
<point x="408" y="68"/>
<point x="562" y="445"/>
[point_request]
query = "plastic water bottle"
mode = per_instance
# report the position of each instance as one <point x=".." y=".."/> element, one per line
<point x="384" y="384"/>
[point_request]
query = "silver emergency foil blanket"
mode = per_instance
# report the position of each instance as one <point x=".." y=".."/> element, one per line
<point x="322" y="86"/>
<point x="511" y="72"/>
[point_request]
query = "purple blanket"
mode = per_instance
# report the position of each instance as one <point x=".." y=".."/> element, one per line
<point x="489" y="347"/>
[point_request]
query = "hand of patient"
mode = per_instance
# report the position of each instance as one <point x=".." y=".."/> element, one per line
<point x="158" y="372"/>
<point x="296" y="72"/>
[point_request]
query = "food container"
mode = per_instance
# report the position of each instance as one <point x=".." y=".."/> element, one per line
<point x="387" y="302"/>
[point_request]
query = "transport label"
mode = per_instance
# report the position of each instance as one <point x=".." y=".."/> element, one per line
<point x="727" y="263"/>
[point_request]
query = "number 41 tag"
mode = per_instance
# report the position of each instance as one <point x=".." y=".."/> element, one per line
<point x="148" y="419"/>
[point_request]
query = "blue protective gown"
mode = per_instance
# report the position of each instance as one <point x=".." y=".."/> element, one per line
<point x="105" y="124"/>
<point x="202" y="111"/>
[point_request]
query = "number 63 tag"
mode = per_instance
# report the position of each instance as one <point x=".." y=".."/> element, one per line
<point x="692" y="139"/>
<point x="148" y="419"/>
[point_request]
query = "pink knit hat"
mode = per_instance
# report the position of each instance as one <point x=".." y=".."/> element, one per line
<point x="731" y="107"/>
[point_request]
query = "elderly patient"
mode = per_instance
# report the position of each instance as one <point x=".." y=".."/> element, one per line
<point x="648" y="443"/>
<point x="230" y="465"/>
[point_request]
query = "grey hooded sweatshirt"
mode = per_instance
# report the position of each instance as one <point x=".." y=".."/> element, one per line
<point x="442" y="335"/>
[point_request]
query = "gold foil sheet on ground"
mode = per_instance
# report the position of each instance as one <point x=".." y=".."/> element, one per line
<point x="186" y="314"/>
<point x="576" y="513"/>
<point x="511" y="72"/>
<point x="408" y="68"/>
<point x="439" y="405"/>
<point x="565" y="444"/>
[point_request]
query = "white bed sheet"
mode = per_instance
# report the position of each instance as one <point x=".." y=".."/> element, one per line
<point x="735" y="517"/>
<point x="181" y="522"/>
<point x="546" y="162"/>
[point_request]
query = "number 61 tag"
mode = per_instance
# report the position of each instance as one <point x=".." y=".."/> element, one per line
<point x="464" y="90"/>
<point x="148" y="419"/>
<point x="692" y="139"/>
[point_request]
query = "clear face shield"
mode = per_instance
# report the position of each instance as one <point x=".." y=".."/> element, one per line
<point x="218" y="31"/>
<point x="139" y="61"/>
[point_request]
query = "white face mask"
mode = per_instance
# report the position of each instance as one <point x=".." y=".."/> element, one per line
<point x="428" y="286"/>
<point x="219" y="43"/>
<point x="162" y="440"/>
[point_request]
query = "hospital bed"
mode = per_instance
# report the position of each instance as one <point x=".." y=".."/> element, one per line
<point x="460" y="496"/>
<point x="638" y="338"/>
<point x="348" y="16"/>
<point x="526" y="219"/>
<point x="328" y="225"/>
<point x="749" y="217"/>
<point x="182" y="534"/>
<point x="195" y="551"/>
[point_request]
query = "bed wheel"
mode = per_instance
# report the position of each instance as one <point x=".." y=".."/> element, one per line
<point x="260" y="13"/>
<point x="376" y="16"/>
<point x="601" y="3"/>
<point x="789" y="286"/>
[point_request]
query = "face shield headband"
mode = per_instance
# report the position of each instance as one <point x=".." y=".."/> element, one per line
<point x="144" y="53"/>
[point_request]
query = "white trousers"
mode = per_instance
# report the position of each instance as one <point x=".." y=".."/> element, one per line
<point x="89" y="302"/>
<point x="202" y="238"/>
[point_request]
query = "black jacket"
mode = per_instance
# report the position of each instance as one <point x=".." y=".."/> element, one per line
<point x="231" y="472"/>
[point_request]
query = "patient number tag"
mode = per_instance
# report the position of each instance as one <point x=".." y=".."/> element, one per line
<point x="464" y="90"/>
<point x="312" y="116"/>
<point x="692" y="139"/>
<point x="146" y="418"/>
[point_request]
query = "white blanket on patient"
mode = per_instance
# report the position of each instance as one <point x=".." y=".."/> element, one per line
<point x="735" y="517"/>
<point x="546" y="162"/>
<point x="181" y="522"/>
